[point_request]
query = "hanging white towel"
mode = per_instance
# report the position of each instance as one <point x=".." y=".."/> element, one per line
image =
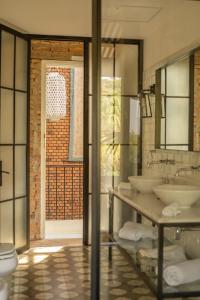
<point x="174" y="253"/>
<point x="135" y="231"/>
<point x="171" y="210"/>
<point x="184" y="272"/>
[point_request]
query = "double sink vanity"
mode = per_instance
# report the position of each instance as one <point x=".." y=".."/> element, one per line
<point x="171" y="204"/>
<point x="148" y="196"/>
<point x="184" y="195"/>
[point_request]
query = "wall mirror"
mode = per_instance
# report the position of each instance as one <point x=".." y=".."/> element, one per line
<point x="177" y="113"/>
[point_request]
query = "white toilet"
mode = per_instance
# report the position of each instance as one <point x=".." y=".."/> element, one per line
<point x="8" y="264"/>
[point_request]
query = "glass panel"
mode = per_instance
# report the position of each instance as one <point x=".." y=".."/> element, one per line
<point x="7" y="59"/>
<point x="109" y="165"/>
<point x="109" y="106"/>
<point x="20" y="222"/>
<point x="6" y="125"/>
<point x="6" y="156"/>
<point x="177" y="115"/>
<point x="21" y="64"/>
<point x="120" y="137"/>
<point x="130" y="133"/>
<point x="90" y="169"/>
<point x="20" y="171"/>
<point x="128" y="161"/>
<point x="90" y="68"/>
<point x="20" y="118"/>
<point x="178" y="78"/>
<point x="122" y="214"/>
<point x="162" y="131"/>
<point x="104" y="214"/>
<point x="163" y="81"/>
<point x="107" y="66"/>
<point x="90" y="120"/>
<point x="90" y="219"/>
<point x="126" y="66"/>
<point x="185" y="148"/>
<point x="6" y="222"/>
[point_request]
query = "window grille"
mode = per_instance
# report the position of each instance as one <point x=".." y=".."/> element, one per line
<point x="55" y="96"/>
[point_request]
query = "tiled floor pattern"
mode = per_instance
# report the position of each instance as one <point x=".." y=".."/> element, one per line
<point x="64" y="273"/>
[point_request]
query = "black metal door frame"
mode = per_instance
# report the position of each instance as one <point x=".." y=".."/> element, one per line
<point x="16" y="35"/>
<point x="85" y="41"/>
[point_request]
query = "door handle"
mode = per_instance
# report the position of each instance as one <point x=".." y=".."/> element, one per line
<point x="5" y="172"/>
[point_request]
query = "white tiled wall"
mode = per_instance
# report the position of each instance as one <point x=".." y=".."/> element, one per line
<point x="190" y="240"/>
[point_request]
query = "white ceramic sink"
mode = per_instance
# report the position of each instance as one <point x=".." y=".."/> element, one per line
<point x="183" y="195"/>
<point x="145" y="184"/>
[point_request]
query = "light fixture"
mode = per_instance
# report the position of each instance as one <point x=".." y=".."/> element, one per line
<point x="55" y="96"/>
<point x="145" y="101"/>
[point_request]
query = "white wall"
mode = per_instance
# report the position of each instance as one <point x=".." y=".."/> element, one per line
<point x="61" y="17"/>
<point x="172" y="33"/>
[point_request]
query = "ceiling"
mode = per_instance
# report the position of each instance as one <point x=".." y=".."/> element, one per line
<point x="71" y="17"/>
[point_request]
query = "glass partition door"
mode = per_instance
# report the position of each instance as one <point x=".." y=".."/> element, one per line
<point x="13" y="138"/>
<point x="120" y="121"/>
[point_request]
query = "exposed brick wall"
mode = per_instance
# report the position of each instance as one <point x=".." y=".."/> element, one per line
<point x="58" y="132"/>
<point x="41" y="50"/>
<point x="35" y="148"/>
<point x="64" y="188"/>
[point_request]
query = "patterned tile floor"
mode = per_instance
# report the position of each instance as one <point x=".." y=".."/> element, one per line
<point x="64" y="273"/>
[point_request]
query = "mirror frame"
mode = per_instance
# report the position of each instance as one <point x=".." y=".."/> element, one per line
<point x="158" y="103"/>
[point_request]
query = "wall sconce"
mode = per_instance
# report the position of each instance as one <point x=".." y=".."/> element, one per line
<point x="145" y="101"/>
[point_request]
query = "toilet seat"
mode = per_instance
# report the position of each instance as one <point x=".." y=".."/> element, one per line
<point x="6" y="248"/>
<point x="7" y="251"/>
<point x="9" y="255"/>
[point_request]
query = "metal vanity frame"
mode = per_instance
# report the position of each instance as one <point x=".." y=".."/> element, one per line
<point x="157" y="290"/>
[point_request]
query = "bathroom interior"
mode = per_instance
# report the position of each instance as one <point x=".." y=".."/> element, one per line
<point x="116" y="214"/>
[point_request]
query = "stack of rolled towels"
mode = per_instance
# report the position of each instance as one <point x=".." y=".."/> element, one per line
<point x="135" y="231"/>
<point x="181" y="273"/>
<point x="173" y="253"/>
<point x="177" y="269"/>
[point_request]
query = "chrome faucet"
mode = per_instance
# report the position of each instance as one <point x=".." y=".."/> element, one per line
<point x="190" y="168"/>
<point x="180" y="230"/>
<point x="161" y="161"/>
<point x="178" y="233"/>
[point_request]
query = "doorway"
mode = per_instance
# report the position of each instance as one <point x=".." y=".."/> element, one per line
<point x="61" y="60"/>
<point x="62" y="149"/>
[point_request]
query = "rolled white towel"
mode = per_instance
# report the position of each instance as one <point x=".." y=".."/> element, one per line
<point x="135" y="231"/>
<point x="184" y="272"/>
<point x="174" y="253"/>
<point x="124" y="186"/>
<point x="171" y="210"/>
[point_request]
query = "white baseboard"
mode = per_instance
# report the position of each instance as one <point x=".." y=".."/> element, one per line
<point x="64" y="229"/>
<point x="51" y="236"/>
